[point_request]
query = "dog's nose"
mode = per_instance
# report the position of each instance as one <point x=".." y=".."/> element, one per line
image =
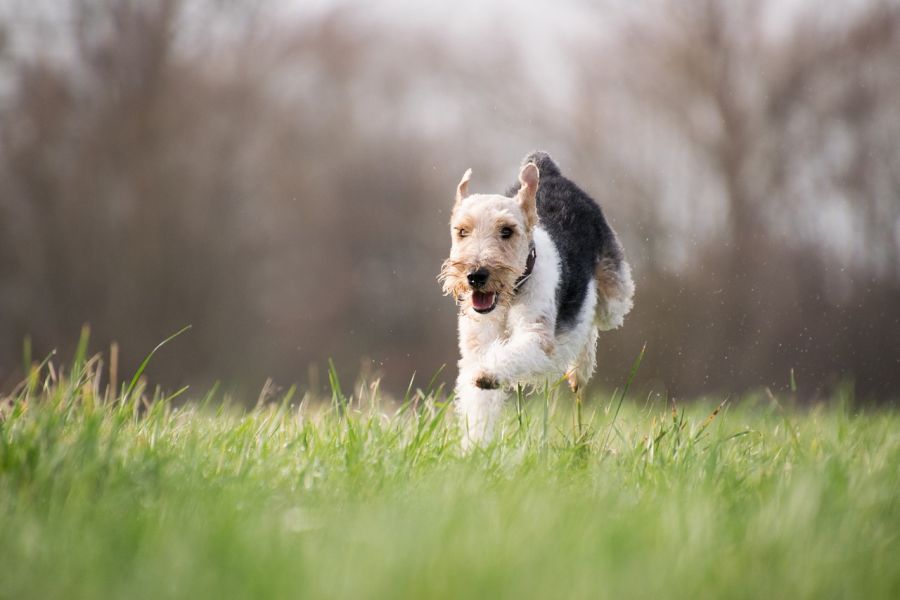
<point x="478" y="278"/>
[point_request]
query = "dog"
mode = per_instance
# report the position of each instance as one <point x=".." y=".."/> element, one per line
<point x="536" y="273"/>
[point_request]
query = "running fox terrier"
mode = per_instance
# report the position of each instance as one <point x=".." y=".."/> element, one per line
<point x="536" y="273"/>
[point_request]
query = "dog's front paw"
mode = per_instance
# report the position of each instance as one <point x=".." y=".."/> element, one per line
<point x="486" y="382"/>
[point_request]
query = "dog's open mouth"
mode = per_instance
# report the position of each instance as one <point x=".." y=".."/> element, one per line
<point x="484" y="302"/>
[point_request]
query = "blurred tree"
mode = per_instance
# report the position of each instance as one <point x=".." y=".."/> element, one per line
<point x="789" y="129"/>
<point x="280" y="178"/>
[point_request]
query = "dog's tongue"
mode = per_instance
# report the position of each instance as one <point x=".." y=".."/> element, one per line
<point x="482" y="300"/>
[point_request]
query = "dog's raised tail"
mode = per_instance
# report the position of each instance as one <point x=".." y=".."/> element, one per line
<point x="546" y="166"/>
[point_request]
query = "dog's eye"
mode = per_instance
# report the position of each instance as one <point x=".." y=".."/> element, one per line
<point x="462" y="232"/>
<point x="506" y="233"/>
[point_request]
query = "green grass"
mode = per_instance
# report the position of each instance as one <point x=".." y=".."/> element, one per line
<point x="137" y="498"/>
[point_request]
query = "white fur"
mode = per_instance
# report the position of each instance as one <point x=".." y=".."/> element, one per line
<point x="518" y="344"/>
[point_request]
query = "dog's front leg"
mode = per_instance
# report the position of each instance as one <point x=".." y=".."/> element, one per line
<point x="479" y="409"/>
<point x="479" y="401"/>
<point x="525" y="355"/>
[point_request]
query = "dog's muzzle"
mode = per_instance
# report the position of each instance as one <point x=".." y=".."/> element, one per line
<point x="478" y="278"/>
<point x="482" y="302"/>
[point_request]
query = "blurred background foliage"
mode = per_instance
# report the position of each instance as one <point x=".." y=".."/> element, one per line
<point x="280" y="176"/>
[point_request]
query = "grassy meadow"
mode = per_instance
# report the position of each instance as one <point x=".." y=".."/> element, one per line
<point x="146" y="496"/>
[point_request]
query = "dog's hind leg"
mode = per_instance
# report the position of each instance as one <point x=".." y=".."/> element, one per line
<point x="580" y="371"/>
<point x="615" y="287"/>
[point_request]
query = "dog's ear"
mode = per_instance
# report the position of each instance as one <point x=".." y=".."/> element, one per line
<point x="462" y="190"/>
<point x="527" y="196"/>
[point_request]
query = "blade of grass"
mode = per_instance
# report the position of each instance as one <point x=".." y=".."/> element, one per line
<point x="337" y="396"/>
<point x="26" y="355"/>
<point x="140" y="371"/>
<point x="407" y="396"/>
<point x="430" y="388"/>
<point x="712" y="416"/>
<point x="519" y="402"/>
<point x="80" y="353"/>
<point x="634" y="369"/>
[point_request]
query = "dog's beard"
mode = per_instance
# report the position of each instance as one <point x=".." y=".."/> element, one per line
<point x="498" y="291"/>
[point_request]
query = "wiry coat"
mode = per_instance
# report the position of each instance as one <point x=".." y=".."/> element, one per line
<point x="588" y="247"/>
<point x="544" y="327"/>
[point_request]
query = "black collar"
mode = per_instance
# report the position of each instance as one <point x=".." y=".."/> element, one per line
<point x="529" y="267"/>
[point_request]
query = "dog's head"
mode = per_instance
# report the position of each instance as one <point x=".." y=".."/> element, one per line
<point x="491" y="237"/>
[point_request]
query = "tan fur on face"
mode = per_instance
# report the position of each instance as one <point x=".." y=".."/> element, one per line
<point x="475" y="230"/>
<point x="482" y="218"/>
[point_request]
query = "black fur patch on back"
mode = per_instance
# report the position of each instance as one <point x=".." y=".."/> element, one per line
<point x="579" y="230"/>
<point x="544" y="163"/>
